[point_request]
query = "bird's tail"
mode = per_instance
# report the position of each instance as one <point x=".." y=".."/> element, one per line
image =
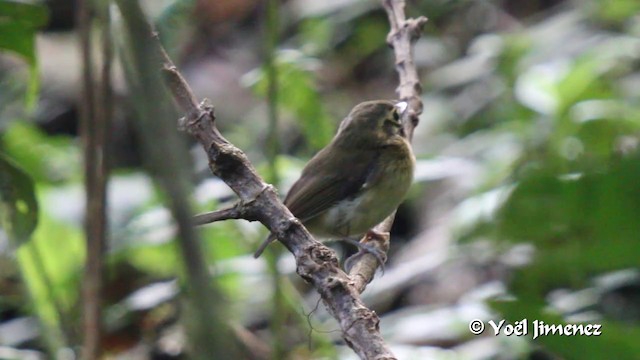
<point x="264" y="245"/>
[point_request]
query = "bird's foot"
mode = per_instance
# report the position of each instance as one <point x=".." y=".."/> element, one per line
<point x="366" y="248"/>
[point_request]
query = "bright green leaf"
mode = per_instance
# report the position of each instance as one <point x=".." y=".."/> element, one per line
<point x="45" y="158"/>
<point x="30" y="14"/>
<point x="51" y="265"/>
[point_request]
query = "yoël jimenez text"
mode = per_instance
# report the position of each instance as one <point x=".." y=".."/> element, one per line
<point x="540" y="328"/>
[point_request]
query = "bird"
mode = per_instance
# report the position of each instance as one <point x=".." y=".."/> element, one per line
<point x="358" y="179"/>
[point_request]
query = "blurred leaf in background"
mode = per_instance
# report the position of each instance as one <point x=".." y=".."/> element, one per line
<point x="26" y="144"/>
<point x="18" y="204"/>
<point x="298" y="94"/>
<point x="51" y="265"/>
<point x="19" y="22"/>
<point x="576" y="194"/>
<point x="529" y="140"/>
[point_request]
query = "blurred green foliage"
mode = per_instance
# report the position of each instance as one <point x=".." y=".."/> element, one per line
<point x="26" y="143"/>
<point x="51" y="264"/>
<point x="575" y="180"/>
<point x="614" y="12"/>
<point x="18" y="205"/>
<point x="173" y="23"/>
<point x="551" y="117"/>
<point x="19" y="22"/>
<point x="298" y="94"/>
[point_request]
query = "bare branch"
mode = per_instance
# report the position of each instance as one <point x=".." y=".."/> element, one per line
<point x="234" y="212"/>
<point x="259" y="201"/>
<point x="95" y="123"/>
<point x="315" y="262"/>
<point x="402" y="34"/>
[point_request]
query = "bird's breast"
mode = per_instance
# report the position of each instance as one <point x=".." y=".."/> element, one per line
<point x="378" y="198"/>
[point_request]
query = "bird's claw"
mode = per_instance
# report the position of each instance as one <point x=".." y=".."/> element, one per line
<point x="380" y="255"/>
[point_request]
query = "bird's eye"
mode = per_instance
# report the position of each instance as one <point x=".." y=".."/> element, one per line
<point x="396" y="116"/>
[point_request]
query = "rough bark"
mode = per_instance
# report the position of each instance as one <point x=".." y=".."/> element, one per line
<point x="259" y="201"/>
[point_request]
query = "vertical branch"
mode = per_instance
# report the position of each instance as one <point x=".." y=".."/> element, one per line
<point x="95" y="119"/>
<point x="403" y="33"/>
<point x="91" y="324"/>
<point x="106" y="89"/>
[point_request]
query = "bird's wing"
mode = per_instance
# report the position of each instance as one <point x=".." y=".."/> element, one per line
<point x="328" y="178"/>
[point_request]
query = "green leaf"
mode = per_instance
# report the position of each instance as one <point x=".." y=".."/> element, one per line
<point x="573" y="221"/>
<point x="316" y="34"/>
<point x="298" y="94"/>
<point x="583" y="81"/>
<point x="157" y="259"/>
<point x="601" y="136"/>
<point x="369" y="35"/>
<point x="19" y="22"/>
<point x="51" y="264"/>
<point x="615" y="11"/>
<point x="616" y="341"/>
<point x="18" y="205"/>
<point x="46" y="158"/>
<point x="581" y="225"/>
<point x="29" y="14"/>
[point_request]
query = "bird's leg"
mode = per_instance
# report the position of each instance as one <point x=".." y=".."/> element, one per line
<point x="364" y="247"/>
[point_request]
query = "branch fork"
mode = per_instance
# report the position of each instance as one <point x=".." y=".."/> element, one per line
<point x="259" y="201"/>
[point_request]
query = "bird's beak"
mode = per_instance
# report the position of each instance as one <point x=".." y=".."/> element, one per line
<point x="402" y="106"/>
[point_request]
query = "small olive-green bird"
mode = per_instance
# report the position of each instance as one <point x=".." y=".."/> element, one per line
<point x="357" y="180"/>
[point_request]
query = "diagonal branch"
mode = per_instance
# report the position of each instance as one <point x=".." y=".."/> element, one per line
<point x="259" y="201"/>
<point x="403" y="34"/>
<point x="316" y="263"/>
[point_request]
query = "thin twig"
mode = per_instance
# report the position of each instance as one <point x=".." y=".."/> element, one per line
<point x="96" y="116"/>
<point x="234" y="212"/>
